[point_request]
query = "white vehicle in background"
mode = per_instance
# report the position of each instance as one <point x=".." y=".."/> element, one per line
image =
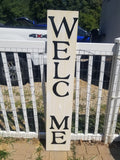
<point x="24" y="34"/>
<point x="14" y="33"/>
<point x="26" y="29"/>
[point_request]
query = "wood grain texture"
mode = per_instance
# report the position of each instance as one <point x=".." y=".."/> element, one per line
<point x="61" y="49"/>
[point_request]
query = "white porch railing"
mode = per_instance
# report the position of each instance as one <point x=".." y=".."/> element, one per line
<point x="95" y="106"/>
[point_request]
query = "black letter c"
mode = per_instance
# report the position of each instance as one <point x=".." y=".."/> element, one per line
<point x="55" y="89"/>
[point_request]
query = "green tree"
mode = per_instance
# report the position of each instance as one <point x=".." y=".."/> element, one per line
<point x="12" y="9"/>
<point x="38" y="9"/>
<point x="89" y="10"/>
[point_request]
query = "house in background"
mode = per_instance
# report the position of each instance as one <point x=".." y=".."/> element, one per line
<point x="110" y="21"/>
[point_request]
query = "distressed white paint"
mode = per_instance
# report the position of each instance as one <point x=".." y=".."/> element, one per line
<point x="7" y="75"/>
<point x="102" y="68"/>
<point x="4" y="111"/>
<point x="113" y="102"/>
<point x="82" y="49"/>
<point x="41" y="62"/>
<point x="30" y="71"/>
<point x="90" y="64"/>
<point x="77" y="91"/>
<point x="22" y="96"/>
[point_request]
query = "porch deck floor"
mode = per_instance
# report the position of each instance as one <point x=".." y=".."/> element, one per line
<point x="27" y="150"/>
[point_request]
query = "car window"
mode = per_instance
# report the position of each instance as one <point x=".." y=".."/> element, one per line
<point x="41" y="26"/>
<point x="81" y="32"/>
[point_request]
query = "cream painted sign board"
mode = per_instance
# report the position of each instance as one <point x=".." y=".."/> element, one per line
<point x="61" y="51"/>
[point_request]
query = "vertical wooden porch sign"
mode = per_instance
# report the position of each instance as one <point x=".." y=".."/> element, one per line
<point x="61" y="50"/>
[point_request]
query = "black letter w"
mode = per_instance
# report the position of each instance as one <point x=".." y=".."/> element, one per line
<point x="69" y="32"/>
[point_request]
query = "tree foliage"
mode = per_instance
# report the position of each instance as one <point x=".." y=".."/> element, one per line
<point x="89" y="10"/>
<point x="12" y="9"/>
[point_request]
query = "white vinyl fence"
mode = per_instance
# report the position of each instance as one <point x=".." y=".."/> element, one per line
<point x="96" y="114"/>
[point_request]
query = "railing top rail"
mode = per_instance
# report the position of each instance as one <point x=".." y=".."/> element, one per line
<point x="103" y="49"/>
<point x="22" y="46"/>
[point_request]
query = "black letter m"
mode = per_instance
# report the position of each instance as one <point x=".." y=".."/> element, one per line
<point x="53" y="119"/>
<point x="69" y="32"/>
